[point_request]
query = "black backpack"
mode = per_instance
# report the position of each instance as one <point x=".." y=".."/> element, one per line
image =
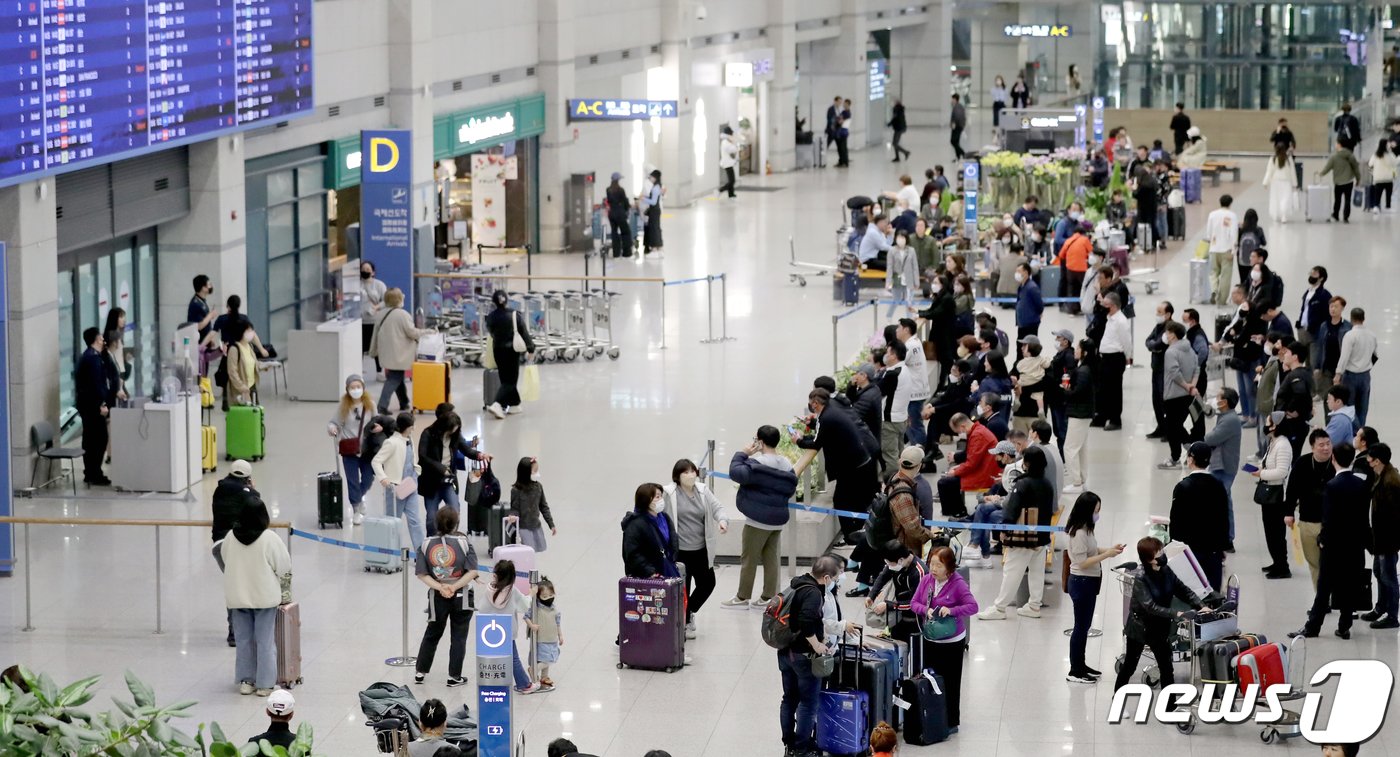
<point x="879" y="528"/>
<point x="776" y="625"/>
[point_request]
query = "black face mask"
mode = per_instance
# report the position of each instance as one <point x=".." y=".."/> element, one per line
<point x="365" y="275"/>
<point x="1312" y="280"/>
<point x="547" y="602"/>
<point x="1161" y="561"/>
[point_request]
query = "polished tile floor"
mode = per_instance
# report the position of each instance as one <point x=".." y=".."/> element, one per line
<point x="599" y="430"/>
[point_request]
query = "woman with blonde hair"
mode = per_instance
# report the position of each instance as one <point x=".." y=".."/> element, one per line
<point x="394" y="345"/>
<point x="352" y="416"/>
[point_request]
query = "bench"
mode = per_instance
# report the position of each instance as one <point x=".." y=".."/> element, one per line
<point x="1214" y="169"/>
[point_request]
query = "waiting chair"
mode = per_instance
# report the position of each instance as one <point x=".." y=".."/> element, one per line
<point x="41" y="439"/>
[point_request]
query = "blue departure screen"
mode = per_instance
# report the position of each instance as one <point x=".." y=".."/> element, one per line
<point x="87" y="81"/>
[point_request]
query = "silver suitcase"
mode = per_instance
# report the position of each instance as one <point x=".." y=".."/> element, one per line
<point x="1200" y="281"/>
<point x="1318" y="203"/>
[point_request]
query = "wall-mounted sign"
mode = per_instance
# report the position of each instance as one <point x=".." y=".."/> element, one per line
<point x="878" y="69"/>
<point x="764" y="67"/>
<point x="1038" y="31"/>
<point x="1097" y="105"/>
<point x="485" y="128"/>
<point x="623" y="110"/>
<point x="738" y="74"/>
<point x="386" y="225"/>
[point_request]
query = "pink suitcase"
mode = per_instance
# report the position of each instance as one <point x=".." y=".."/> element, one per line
<point x="287" y="632"/>
<point x="523" y="555"/>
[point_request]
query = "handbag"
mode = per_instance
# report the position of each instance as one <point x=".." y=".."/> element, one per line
<point x="488" y="355"/>
<point x="517" y="342"/>
<point x="823" y="665"/>
<point x="406" y="488"/>
<point x="939" y="628"/>
<point x="351" y="447"/>
<point x="1266" y="493"/>
<point x="530" y="383"/>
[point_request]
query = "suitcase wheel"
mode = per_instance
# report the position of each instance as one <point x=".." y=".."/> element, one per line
<point x="1186" y="728"/>
<point x="620" y="666"/>
<point x="228" y="457"/>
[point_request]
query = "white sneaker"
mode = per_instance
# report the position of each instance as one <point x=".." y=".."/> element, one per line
<point x="992" y="613"/>
<point x="690" y="630"/>
<point x="735" y="603"/>
<point x="1072" y="489"/>
<point x="245" y="688"/>
<point x="759" y="603"/>
<point x="358" y="517"/>
<point x="495" y="409"/>
<point x="1026" y="611"/>
<point x="1168" y="464"/>
<point x="515" y="410"/>
<point x="971" y="553"/>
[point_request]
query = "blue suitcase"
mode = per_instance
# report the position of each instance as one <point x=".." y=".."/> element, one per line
<point x="1191" y="184"/>
<point x="843" y="715"/>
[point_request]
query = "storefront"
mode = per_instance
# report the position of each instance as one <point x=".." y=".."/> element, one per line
<point x="486" y="162"/>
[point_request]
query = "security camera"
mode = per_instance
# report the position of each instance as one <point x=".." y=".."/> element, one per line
<point x="700" y="13"/>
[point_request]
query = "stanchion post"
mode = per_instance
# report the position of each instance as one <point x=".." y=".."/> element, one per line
<point x="710" y="464"/>
<point x="710" y="308"/>
<point x="875" y="314"/>
<point x="404" y="660"/>
<point x="835" y="351"/>
<point x="28" y="620"/>
<point x="724" y="306"/>
<point x="663" y="315"/>
<point x="158" y="625"/>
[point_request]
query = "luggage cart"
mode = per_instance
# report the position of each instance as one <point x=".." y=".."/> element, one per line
<point x="600" y="306"/>
<point x="1289" y="724"/>
<point x="1181" y="644"/>
<point x="806" y="268"/>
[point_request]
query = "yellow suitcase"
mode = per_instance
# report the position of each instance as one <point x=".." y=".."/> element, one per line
<point x="206" y="392"/>
<point x="431" y="385"/>
<point x="209" y="449"/>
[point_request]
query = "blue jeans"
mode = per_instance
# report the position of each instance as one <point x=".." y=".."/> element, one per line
<point x="445" y="493"/>
<point x="1387" y="588"/>
<point x="359" y="477"/>
<point x="899" y="299"/>
<point x="522" y="678"/>
<point x="1161" y="224"/>
<point x="1360" y="386"/>
<point x="917" y="427"/>
<point x="1247" y="388"/>
<point x="408" y="509"/>
<point x="985" y="513"/>
<point x="255" y="661"/>
<point x="1227" y="478"/>
<point x="394" y="384"/>
<point x="798" y="714"/>
<point x="1084" y="593"/>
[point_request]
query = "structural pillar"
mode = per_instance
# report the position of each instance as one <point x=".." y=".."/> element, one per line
<point x="782" y="90"/>
<point x="555" y="71"/>
<point x="411" y="107"/>
<point x="927" y="48"/>
<point x="689" y="158"/>
<point x="29" y="228"/>
<point x="211" y="239"/>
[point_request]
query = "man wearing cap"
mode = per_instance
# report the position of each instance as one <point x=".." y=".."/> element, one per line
<point x="866" y="398"/>
<point x="280" y="704"/>
<point x="233" y="492"/>
<point x="619" y="210"/>
<point x="1058" y="377"/>
<point x="904" y="505"/>
<point x="989" y="509"/>
<point x="1200" y="516"/>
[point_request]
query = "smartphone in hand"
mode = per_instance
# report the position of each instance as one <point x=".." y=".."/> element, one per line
<point x="1250" y="468"/>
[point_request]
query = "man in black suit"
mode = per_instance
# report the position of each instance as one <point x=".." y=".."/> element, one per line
<point x="1346" y="529"/>
<point x="1347" y="128"/>
<point x="833" y="114"/>
<point x="1200" y="514"/>
<point x="94" y="398"/>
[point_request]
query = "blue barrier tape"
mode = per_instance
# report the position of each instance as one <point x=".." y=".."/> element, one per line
<point x="363" y="547"/>
<point x="854" y="310"/>
<point x="1047" y="300"/>
<point x="948" y="524"/>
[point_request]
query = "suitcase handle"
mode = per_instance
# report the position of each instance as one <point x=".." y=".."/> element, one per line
<point x="842" y="650"/>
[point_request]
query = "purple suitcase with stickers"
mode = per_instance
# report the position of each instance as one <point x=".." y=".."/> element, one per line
<point x="651" y="623"/>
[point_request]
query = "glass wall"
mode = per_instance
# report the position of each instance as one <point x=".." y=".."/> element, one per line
<point x="288" y="285"/>
<point x="1254" y="56"/>
<point x="93" y="280"/>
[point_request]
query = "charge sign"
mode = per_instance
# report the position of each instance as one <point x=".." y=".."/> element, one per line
<point x="494" y="636"/>
<point x="1098" y="121"/>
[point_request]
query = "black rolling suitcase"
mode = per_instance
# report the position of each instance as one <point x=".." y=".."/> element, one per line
<point x="496" y="525"/>
<point x="925" y="703"/>
<point x="330" y="499"/>
<point x="1176" y="223"/>
<point x="877" y="678"/>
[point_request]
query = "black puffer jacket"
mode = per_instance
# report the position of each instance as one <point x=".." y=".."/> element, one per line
<point x="644" y="555"/>
<point x="230" y="497"/>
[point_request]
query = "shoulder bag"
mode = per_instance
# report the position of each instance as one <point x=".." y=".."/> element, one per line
<point x="517" y="342"/>
<point x="352" y="446"/>
<point x="1265" y="492"/>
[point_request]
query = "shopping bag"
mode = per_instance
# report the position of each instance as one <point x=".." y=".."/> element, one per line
<point x="1297" y="544"/>
<point x="488" y="355"/>
<point x="530" y="383"/>
<point x="1202" y="250"/>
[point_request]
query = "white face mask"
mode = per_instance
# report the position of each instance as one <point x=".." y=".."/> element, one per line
<point x="1020" y="277"/>
<point x="1255" y="276"/>
<point x="248" y="337"/>
<point x="535" y="477"/>
<point x="1076" y="215"/>
<point x="937" y="286"/>
<point x="688" y="479"/>
<point x="658" y="504"/>
<point x="1095" y="259"/>
<point x="357" y="392"/>
<point x="1161" y="319"/>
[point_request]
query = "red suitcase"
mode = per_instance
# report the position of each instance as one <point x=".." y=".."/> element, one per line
<point x="288" y="635"/>
<point x="1265" y="665"/>
<point x="1218" y="657"/>
<point x="651" y="623"/>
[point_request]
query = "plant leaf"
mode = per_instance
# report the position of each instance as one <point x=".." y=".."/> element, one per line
<point x="140" y="692"/>
<point x="216" y="733"/>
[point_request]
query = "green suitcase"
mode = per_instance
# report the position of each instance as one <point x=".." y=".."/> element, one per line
<point x="245" y="433"/>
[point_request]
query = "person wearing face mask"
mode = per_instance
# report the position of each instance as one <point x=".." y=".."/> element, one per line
<point x="700" y="518"/>
<point x="347" y="427"/>
<point x="942" y="593"/>
<point x="1157" y="346"/>
<point x="766" y="484"/>
<point x="1065" y="226"/>
<point x="242" y="386"/>
<point x="529" y="507"/>
<point x="964" y="304"/>
<point x="1029" y="213"/>
<point x="1178" y="391"/>
<point x="901" y="274"/>
<point x="1150" y="615"/>
<point x="437" y="484"/>
<point x="954" y="398"/>
<point x="395" y="345"/>
<point x="1074" y="259"/>
<point x="447" y="565"/>
<point x="1200" y="514"/>
<point x="649" y="538"/>
<point x="1295" y="394"/>
<point x="504" y="324"/>
<point x="1089" y="289"/>
<point x="1341" y="542"/>
<point x="1085" y="580"/>
<point x="371" y="305"/>
<point x="801" y="688"/>
<point x="901" y="572"/>
<point x="1327" y="346"/>
<point x="941" y="316"/>
<point x="1057" y="379"/>
<point x="1224" y="441"/>
<point x="393" y="463"/>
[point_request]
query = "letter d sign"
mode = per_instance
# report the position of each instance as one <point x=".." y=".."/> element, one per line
<point x="378" y="162"/>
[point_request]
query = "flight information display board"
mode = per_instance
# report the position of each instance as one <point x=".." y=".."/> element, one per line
<point x="84" y="82"/>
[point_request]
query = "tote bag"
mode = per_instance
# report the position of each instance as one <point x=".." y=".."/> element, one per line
<point x="530" y="383"/>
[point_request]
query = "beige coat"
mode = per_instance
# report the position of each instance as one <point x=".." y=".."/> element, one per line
<point x="395" y="340"/>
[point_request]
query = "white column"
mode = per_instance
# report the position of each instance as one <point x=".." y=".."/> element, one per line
<point x="211" y="238"/>
<point x="781" y="137"/>
<point x="29" y="228"/>
<point x="926" y="50"/>
<point x="411" y="107"/>
<point x="555" y="71"/>
<point x="680" y="134"/>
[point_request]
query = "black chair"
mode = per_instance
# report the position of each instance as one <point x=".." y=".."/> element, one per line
<point x="41" y="439"/>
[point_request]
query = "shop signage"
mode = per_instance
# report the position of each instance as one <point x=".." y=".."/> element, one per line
<point x="623" y="110"/>
<point x="485" y="128"/>
<point x="386" y="204"/>
<point x="878" y="67"/>
<point x="494" y="637"/>
<point x="738" y="74"/>
<point x="7" y="554"/>
<point x="1038" y="31"/>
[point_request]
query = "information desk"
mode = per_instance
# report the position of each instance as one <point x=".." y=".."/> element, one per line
<point x="320" y="359"/>
<point x="155" y="447"/>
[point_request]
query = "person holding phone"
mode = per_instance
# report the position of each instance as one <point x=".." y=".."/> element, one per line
<point x="1085" y="579"/>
